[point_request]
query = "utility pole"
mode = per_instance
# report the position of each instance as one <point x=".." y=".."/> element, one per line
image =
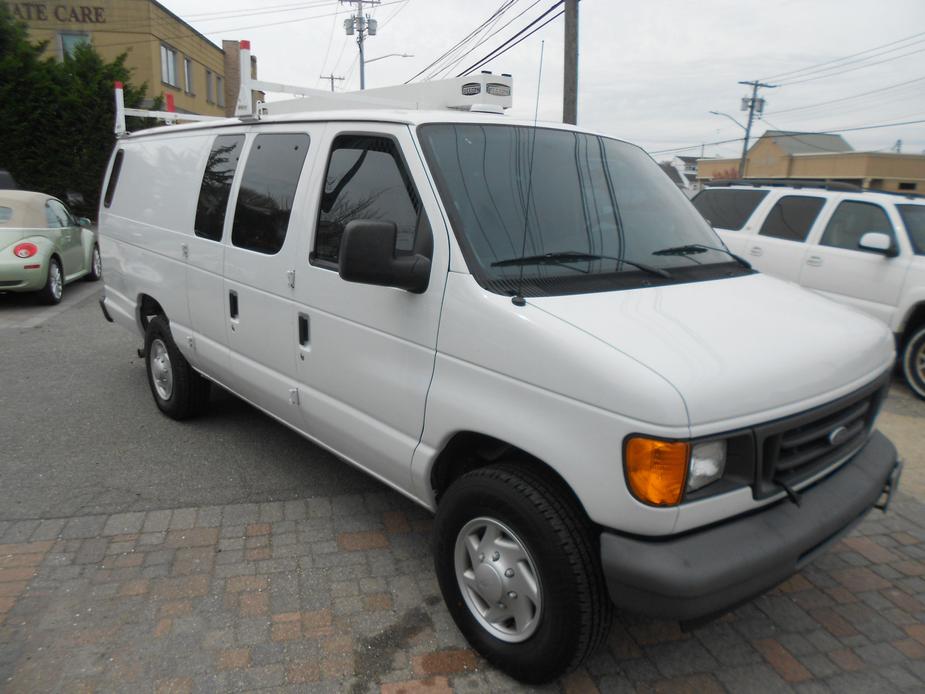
<point x="570" y="83"/>
<point x="363" y="26"/>
<point x="898" y="147"/>
<point x="332" y="78"/>
<point x="752" y="105"/>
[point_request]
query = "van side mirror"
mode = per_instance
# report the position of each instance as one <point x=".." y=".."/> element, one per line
<point x="367" y="255"/>
<point x="83" y="222"/>
<point x="878" y="242"/>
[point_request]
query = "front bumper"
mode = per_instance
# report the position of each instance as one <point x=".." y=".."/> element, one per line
<point x="706" y="572"/>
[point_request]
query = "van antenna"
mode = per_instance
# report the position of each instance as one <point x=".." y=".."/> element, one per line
<point x="518" y="298"/>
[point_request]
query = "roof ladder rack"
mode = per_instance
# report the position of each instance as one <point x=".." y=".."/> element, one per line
<point x="170" y="115"/>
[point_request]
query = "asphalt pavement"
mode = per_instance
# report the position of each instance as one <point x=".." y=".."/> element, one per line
<point x="81" y="433"/>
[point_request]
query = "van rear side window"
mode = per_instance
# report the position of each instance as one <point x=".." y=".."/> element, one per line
<point x="728" y="209"/>
<point x="271" y="176"/>
<point x="216" y="186"/>
<point x="113" y="178"/>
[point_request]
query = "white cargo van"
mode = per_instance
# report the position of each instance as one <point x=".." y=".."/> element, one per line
<point x="527" y="329"/>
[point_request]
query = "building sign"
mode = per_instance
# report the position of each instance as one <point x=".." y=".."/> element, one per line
<point x="64" y="14"/>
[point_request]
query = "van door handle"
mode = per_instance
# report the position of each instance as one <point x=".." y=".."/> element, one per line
<point x="814" y="260"/>
<point x="233" y="304"/>
<point x="304" y="335"/>
<point x="756" y="251"/>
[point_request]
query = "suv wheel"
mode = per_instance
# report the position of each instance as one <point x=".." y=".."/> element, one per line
<point x="178" y="390"/>
<point x="517" y="567"/>
<point x="914" y="362"/>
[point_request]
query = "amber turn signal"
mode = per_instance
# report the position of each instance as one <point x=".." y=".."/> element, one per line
<point x="656" y="470"/>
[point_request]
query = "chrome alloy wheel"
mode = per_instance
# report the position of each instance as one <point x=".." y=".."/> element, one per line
<point x="97" y="263"/>
<point x="918" y="362"/>
<point x="161" y="369"/>
<point x="56" y="280"/>
<point x="498" y="579"/>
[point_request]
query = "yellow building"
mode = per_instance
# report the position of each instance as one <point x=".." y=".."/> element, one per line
<point x="821" y="157"/>
<point x="163" y="50"/>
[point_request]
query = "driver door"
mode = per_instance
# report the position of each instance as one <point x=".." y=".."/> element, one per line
<point x="69" y="238"/>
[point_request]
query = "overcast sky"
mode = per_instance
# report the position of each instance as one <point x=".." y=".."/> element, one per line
<point x="649" y="71"/>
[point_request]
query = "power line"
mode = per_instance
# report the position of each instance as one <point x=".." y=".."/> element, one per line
<point x="327" y="51"/>
<point x="812" y="68"/>
<point x="460" y="42"/>
<point x="498" y="51"/>
<point x="852" y="69"/>
<point x="848" y="98"/>
<point x="821" y="132"/>
<point x="461" y="52"/>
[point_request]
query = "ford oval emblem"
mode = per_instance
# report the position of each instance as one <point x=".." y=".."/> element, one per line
<point x="838" y="436"/>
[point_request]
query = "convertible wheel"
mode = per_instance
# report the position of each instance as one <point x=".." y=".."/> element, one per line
<point x="179" y="391"/>
<point x="96" y="266"/>
<point x="516" y="564"/>
<point x="53" y="290"/>
<point x="913" y="359"/>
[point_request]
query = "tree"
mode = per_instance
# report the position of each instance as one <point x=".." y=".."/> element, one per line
<point x="57" y="132"/>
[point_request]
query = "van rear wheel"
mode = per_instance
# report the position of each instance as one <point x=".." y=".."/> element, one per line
<point x="913" y="359"/>
<point x="179" y="391"/>
<point x="516" y="564"/>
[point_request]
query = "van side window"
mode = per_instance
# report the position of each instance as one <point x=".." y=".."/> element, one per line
<point x="216" y="186"/>
<point x="271" y="176"/>
<point x="729" y="208"/>
<point x="792" y="217"/>
<point x="113" y="178"/>
<point x="851" y="221"/>
<point x="366" y="179"/>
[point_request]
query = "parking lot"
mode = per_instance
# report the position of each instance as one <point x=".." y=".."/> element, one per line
<point x="227" y="553"/>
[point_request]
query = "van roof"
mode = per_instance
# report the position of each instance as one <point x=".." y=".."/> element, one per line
<point x="411" y="117"/>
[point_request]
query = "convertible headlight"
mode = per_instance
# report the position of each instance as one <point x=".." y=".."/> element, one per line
<point x="708" y="462"/>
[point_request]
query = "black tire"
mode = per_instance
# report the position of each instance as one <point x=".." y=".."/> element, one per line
<point x="188" y="394"/>
<point x="96" y="265"/>
<point x="53" y="290"/>
<point x="576" y="610"/>
<point x="913" y="360"/>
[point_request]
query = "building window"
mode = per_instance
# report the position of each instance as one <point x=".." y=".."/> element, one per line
<point x="210" y="92"/>
<point x="220" y="90"/>
<point x="169" y="66"/>
<point x="70" y="40"/>
<point x="907" y="185"/>
<point x="188" y="74"/>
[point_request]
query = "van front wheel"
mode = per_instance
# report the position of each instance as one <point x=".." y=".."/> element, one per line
<point x="178" y="390"/>
<point x="914" y="362"/>
<point x="518" y="571"/>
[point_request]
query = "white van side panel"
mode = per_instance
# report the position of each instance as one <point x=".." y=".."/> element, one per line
<point x="144" y="231"/>
<point x="502" y="369"/>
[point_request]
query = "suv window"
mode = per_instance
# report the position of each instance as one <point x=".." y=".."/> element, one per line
<point x="216" y="186"/>
<point x="366" y="179"/>
<point x="271" y="175"/>
<point x="914" y="219"/>
<point x="792" y="217"/>
<point x="728" y="209"/>
<point x="851" y="221"/>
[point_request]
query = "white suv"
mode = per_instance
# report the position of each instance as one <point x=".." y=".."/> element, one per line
<point x="863" y="248"/>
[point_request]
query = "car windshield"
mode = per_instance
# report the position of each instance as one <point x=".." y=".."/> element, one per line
<point x="914" y="219"/>
<point x="596" y="213"/>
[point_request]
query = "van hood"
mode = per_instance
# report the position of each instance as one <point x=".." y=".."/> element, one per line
<point x="736" y="347"/>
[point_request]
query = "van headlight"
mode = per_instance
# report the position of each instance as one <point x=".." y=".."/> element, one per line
<point x="658" y="472"/>
<point x="708" y="462"/>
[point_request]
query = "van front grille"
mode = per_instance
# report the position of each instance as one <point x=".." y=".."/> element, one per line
<point x="793" y="449"/>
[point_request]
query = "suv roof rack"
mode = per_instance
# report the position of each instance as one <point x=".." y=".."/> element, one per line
<point x="483" y="93"/>
<point x="786" y="183"/>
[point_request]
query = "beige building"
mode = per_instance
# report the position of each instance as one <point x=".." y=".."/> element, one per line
<point x="163" y="50"/>
<point x="821" y="157"/>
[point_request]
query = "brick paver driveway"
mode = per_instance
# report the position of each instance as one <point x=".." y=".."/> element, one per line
<point x="337" y="592"/>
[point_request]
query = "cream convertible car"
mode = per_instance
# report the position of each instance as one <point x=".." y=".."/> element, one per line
<point x="42" y="245"/>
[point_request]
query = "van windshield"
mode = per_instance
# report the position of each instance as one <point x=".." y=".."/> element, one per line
<point x="596" y="214"/>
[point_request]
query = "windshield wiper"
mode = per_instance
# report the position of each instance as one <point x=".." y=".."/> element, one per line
<point x="692" y="248"/>
<point x="577" y="257"/>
